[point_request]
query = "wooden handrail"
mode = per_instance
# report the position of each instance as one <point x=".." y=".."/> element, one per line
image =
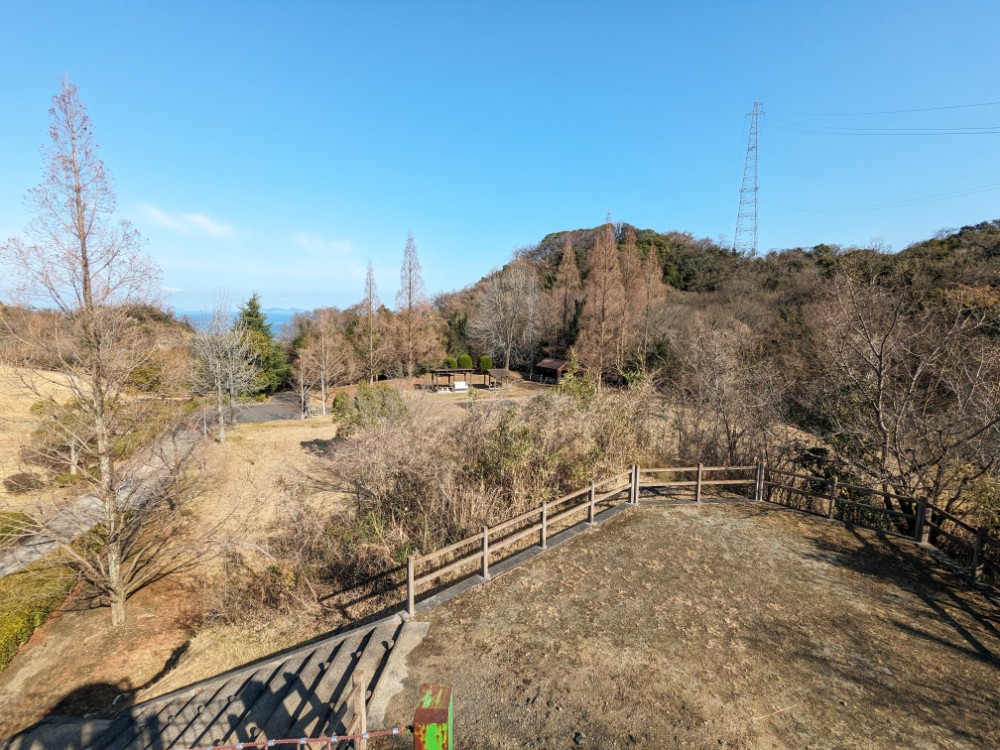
<point x="488" y="540"/>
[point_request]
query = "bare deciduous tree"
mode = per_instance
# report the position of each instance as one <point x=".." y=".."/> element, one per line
<point x="411" y="304"/>
<point x="506" y="319"/>
<point x="224" y="365"/>
<point x="911" y="384"/>
<point x="370" y="339"/>
<point x="601" y="326"/>
<point x="324" y="357"/>
<point x="77" y="259"/>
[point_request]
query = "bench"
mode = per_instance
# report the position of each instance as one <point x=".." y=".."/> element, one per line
<point x="460" y="385"/>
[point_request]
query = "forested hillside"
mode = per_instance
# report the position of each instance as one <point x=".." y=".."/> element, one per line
<point x="882" y="366"/>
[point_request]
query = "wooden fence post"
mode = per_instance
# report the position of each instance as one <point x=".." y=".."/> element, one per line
<point x="486" y="553"/>
<point x="919" y="533"/>
<point x="410" y="607"/>
<point x="977" y="555"/>
<point x="758" y="490"/>
<point x="635" y="484"/>
<point x="359" y="720"/>
<point x="590" y="509"/>
<point x="697" y="486"/>
<point x="833" y="498"/>
<point x="543" y="540"/>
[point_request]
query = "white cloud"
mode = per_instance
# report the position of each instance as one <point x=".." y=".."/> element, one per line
<point x="313" y="244"/>
<point x="171" y="289"/>
<point x="187" y="223"/>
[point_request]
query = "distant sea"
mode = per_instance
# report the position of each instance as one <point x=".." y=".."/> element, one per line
<point x="277" y="317"/>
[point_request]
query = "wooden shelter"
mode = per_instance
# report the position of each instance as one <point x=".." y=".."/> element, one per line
<point x="551" y="370"/>
<point x="497" y="377"/>
<point x="448" y="377"/>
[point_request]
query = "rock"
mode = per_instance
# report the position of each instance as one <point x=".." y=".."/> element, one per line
<point x="579" y="737"/>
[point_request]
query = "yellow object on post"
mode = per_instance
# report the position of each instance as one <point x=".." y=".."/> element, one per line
<point x="432" y="721"/>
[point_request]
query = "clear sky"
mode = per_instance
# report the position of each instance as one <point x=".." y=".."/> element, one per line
<point x="277" y="146"/>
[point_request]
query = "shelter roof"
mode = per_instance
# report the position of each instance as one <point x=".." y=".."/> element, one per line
<point x="552" y="364"/>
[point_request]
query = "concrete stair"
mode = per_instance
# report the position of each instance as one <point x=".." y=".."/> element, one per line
<point x="300" y="693"/>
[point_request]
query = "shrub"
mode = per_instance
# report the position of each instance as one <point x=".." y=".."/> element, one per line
<point x="485" y="363"/>
<point x="22" y="482"/>
<point x="464" y="362"/>
<point x="370" y="404"/>
<point x="342" y="406"/>
<point x="26" y="601"/>
<point x="450" y="363"/>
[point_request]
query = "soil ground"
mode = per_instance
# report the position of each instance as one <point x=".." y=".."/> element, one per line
<point x="739" y="626"/>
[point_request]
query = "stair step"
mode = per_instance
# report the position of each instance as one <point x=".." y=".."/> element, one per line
<point x="248" y="727"/>
<point x="390" y="682"/>
<point x="218" y="726"/>
<point x="199" y="712"/>
<point x="65" y="734"/>
<point x="378" y="644"/>
<point x="299" y="693"/>
<point x="314" y="713"/>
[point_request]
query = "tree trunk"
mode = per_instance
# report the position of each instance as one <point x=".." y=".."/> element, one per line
<point x="322" y="390"/>
<point x="221" y="408"/>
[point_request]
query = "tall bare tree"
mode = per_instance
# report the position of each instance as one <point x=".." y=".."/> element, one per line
<point x="567" y="285"/>
<point x="601" y="326"/>
<point x="74" y="257"/>
<point x="411" y="305"/>
<point x="506" y="319"/>
<point x="370" y="337"/>
<point x="224" y="365"/>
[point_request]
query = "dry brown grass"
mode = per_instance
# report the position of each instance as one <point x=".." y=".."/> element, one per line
<point x="739" y="626"/>
<point x="19" y="389"/>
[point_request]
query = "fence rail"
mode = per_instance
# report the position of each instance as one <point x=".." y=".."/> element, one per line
<point x="826" y="496"/>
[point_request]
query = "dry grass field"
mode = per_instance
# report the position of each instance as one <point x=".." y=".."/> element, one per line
<point x="19" y="389"/>
<point x="737" y="626"/>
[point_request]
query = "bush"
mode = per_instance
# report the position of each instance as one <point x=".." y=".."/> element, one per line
<point x="26" y="601"/>
<point x="371" y="404"/>
<point x="464" y="362"/>
<point x="23" y="482"/>
<point x="450" y="363"/>
<point x="342" y="407"/>
<point x="485" y="363"/>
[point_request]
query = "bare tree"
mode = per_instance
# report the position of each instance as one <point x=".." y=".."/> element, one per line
<point x="370" y="337"/>
<point x="601" y="326"/>
<point x="411" y="305"/>
<point x="324" y="357"/>
<point x="74" y="257"/>
<point x="910" y="383"/>
<point x="224" y="365"/>
<point x="506" y="319"/>
<point x="567" y="285"/>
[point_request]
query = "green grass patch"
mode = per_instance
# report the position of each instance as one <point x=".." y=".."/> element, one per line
<point x="26" y="601"/>
<point x="12" y="525"/>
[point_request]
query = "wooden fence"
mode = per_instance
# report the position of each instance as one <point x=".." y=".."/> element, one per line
<point x="913" y="518"/>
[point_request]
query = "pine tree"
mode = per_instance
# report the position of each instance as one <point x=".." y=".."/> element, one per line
<point x="267" y="355"/>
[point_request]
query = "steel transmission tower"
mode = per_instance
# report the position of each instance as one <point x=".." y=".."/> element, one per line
<point x="745" y="239"/>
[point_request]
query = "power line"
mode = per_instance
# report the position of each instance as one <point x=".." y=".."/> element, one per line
<point x="872" y="132"/>
<point x="888" y="111"/>
<point x="835" y="128"/>
<point x="904" y="202"/>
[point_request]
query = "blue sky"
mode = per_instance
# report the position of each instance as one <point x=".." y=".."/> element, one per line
<point x="278" y="146"/>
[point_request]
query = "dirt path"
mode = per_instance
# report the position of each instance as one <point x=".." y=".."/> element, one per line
<point x="730" y="626"/>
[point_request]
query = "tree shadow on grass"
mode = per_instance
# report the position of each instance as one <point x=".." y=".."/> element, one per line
<point x="918" y="655"/>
